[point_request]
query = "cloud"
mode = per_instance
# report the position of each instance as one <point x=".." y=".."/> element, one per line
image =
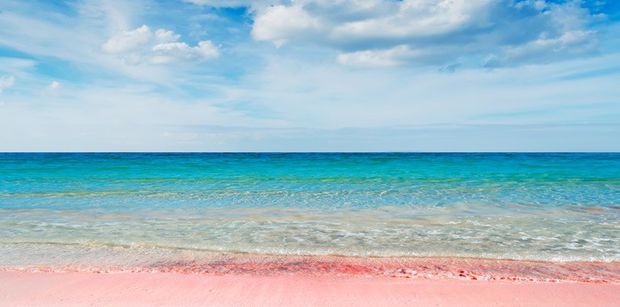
<point x="15" y="65"/>
<point x="387" y="33"/>
<point x="220" y="3"/>
<point x="116" y="117"/>
<point x="131" y="87"/>
<point x="234" y="3"/>
<point x="335" y="108"/>
<point x="107" y="40"/>
<point x="6" y="82"/>
<point x="128" y="40"/>
<point x="316" y="93"/>
<point x="378" y="58"/>
<point x="142" y="45"/>
<point x="281" y="23"/>
<point x="544" y="48"/>
<point x="54" y="85"/>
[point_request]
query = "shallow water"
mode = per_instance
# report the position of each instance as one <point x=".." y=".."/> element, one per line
<point x="74" y="208"/>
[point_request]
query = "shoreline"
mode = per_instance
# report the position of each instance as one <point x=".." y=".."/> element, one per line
<point x="174" y="289"/>
<point x="430" y="268"/>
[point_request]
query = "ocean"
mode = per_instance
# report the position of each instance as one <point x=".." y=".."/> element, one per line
<point x="132" y="209"/>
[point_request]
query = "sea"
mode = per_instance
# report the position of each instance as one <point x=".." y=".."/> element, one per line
<point x="135" y="209"/>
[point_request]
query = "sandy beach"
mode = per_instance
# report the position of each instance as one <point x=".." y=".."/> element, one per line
<point x="264" y="280"/>
<point x="177" y="289"/>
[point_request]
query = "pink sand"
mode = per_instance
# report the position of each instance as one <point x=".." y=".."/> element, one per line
<point x="177" y="289"/>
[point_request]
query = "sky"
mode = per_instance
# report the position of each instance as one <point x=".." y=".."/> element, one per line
<point x="310" y="75"/>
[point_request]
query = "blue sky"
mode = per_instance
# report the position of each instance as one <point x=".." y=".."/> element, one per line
<point x="310" y="75"/>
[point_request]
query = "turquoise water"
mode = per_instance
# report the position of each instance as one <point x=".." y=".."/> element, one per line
<point x="131" y="207"/>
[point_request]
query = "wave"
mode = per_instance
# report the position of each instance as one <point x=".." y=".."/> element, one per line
<point x="151" y="251"/>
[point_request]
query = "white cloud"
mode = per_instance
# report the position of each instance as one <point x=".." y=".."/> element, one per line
<point x="318" y="94"/>
<point x="386" y="33"/>
<point x="54" y="85"/>
<point x="320" y="106"/>
<point x="413" y="19"/>
<point x="118" y="117"/>
<point x="6" y="82"/>
<point x="235" y="3"/>
<point x="170" y="52"/>
<point x="280" y="23"/>
<point x="128" y="40"/>
<point x="162" y="46"/>
<point x="166" y="36"/>
<point x="15" y="65"/>
<point x="348" y="21"/>
<point x="377" y="58"/>
<point x="220" y="3"/>
<point x="573" y="41"/>
<point x="207" y="49"/>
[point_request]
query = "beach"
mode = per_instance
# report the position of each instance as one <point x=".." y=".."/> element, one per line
<point x="259" y="280"/>
<point x="309" y="229"/>
<point x="177" y="289"/>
